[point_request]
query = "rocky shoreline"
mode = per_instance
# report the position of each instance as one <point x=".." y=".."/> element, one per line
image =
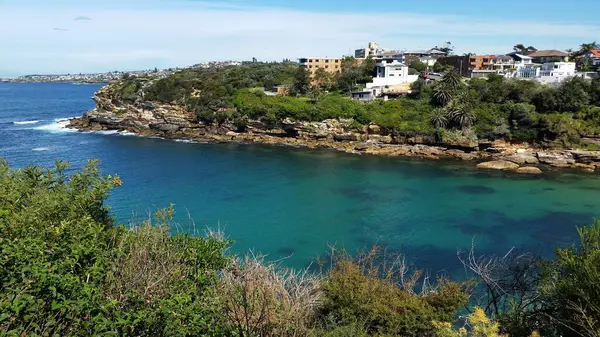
<point x="174" y="122"/>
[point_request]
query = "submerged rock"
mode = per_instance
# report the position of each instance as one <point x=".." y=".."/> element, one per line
<point x="529" y="170"/>
<point x="498" y="165"/>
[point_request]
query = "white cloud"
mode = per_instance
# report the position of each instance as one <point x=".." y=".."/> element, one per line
<point x="187" y="34"/>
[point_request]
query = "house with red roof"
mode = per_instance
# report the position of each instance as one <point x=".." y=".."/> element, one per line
<point x="593" y="56"/>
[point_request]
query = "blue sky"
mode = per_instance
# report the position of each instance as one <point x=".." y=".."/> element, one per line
<point x="62" y="36"/>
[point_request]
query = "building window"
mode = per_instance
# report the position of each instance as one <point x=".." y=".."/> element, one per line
<point x="309" y="67"/>
<point x="472" y="59"/>
<point x="337" y="67"/>
<point x="326" y="61"/>
<point x="337" y="61"/>
<point x="310" y="60"/>
<point x="326" y="66"/>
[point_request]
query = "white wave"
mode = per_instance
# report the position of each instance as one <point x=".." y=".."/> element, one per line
<point x="26" y="122"/>
<point x="59" y="126"/>
<point x="40" y="149"/>
<point x="127" y="133"/>
<point x="107" y="132"/>
<point x="64" y="119"/>
<point x="189" y="141"/>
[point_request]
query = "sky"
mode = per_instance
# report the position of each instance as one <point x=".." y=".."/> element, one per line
<point x="75" y="36"/>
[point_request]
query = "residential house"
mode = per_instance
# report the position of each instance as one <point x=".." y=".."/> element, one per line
<point x="330" y="65"/>
<point x="391" y="75"/>
<point x="462" y="64"/>
<point x="423" y="53"/>
<point x="593" y="56"/>
<point x="364" y="95"/>
<point x="545" y="56"/>
<point x="555" y="72"/>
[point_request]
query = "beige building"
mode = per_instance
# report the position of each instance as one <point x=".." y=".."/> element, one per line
<point x="330" y="65"/>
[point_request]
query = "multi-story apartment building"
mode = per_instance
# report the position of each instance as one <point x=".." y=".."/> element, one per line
<point x="312" y="64"/>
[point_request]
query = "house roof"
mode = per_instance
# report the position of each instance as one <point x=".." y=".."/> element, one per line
<point x="549" y="53"/>
<point x="521" y="56"/>
<point x="595" y="52"/>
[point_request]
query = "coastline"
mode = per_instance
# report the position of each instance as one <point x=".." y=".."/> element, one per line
<point x="171" y="122"/>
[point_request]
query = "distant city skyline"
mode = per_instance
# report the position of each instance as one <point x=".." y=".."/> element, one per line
<point x="68" y="36"/>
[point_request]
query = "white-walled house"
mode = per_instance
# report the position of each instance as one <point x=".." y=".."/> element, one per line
<point x="555" y="72"/>
<point x="390" y="73"/>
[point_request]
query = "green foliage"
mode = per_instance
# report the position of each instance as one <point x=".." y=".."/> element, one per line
<point x="364" y="290"/>
<point x="495" y="108"/>
<point x="418" y="66"/>
<point x="301" y="84"/>
<point x="572" y="284"/>
<point x="66" y="270"/>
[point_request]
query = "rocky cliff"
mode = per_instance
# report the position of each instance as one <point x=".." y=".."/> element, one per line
<point x="174" y="122"/>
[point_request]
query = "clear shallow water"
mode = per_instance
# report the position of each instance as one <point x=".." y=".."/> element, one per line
<point x="291" y="202"/>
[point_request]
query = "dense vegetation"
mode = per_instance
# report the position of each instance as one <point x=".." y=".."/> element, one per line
<point x="68" y="270"/>
<point x="494" y="108"/>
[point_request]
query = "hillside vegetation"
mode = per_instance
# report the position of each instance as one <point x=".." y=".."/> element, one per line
<point x="67" y="269"/>
<point x="567" y="115"/>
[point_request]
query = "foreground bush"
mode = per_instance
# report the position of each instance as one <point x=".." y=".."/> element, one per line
<point x="264" y="299"/>
<point x="66" y="270"/>
<point x="382" y="296"/>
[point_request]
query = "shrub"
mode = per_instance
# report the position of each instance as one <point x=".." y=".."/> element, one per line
<point x="382" y="295"/>
<point x="572" y="284"/>
<point x="263" y="299"/>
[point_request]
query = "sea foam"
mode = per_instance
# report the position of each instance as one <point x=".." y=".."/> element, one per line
<point x="26" y="122"/>
<point x="59" y="126"/>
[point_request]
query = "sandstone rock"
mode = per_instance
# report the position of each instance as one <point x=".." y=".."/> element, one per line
<point x="164" y="127"/>
<point x="498" y="165"/>
<point x="460" y="154"/>
<point x="380" y="139"/>
<point x="529" y="170"/>
<point x="586" y="167"/>
<point x="521" y="158"/>
<point x="426" y="151"/>
<point x="345" y="137"/>
<point x="586" y="156"/>
<point x="555" y="158"/>
<point x="374" y="129"/>
<point x="495" y="149"/>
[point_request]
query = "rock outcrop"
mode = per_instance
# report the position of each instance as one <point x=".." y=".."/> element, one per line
<point x="529" y="170"/>
<point x="498" y="165"/>
<point x="175" y="122"/>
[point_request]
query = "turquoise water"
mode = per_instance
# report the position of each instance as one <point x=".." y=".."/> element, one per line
<point x="293" y="203"/>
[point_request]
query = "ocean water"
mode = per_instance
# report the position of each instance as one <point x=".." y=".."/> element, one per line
<point x="292" y="204"/>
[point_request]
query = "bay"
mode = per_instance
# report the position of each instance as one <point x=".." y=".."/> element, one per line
<point x="292" y="204"/>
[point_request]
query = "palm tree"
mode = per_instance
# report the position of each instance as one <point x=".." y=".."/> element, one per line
<point x="451" y="79"/>
<point x="438" y="118"/>
<point x="447" y="87"/>
<point x="442" y="94"/>
<point x="462" y="116"/>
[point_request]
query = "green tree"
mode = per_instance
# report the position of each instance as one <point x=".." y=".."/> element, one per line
<point x="301" y="84"/>
<point x="439" y="118"/>
<point x="418" y="66"/>
<point x="572" y="283"/>
<point x="445" y="90"/>
<point x="521" y="49"/>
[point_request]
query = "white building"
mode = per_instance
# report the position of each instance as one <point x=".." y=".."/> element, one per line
<point x="391" y="72"/>
<point x="555" y="72"/>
